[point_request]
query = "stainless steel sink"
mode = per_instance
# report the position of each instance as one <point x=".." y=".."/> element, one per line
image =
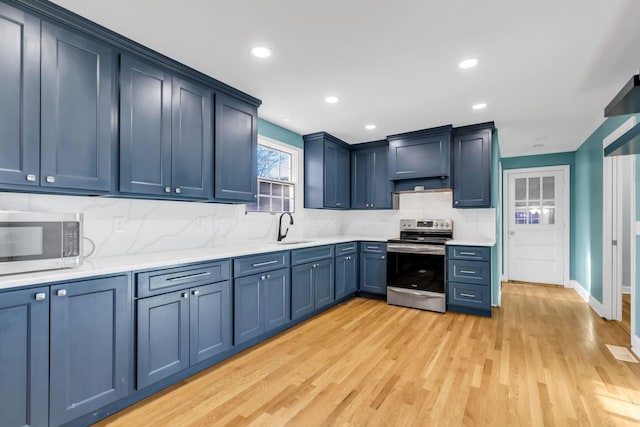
<point x="292" y="242"/>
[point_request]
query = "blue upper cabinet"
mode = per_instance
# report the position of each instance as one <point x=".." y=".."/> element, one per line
<point x="145" y="128"/>
<point x="236" y="146"/>
<point x="77" y="138"/>
<point x="472" y="166"/>
<point x="326" y="172"/>
<point x="421" y="158"/>
<point x="192" y="140"/>
<point x="20" y="95"/>
<point x="370" y="184"/>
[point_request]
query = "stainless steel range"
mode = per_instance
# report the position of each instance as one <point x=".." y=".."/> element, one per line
<point x="416" y="264"/>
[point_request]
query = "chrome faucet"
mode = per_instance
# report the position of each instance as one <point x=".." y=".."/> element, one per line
<point x="280" y="235"/>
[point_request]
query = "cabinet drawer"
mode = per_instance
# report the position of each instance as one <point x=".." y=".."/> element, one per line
<point x="346" y="248"/>
<point x="156" y="282"/>
<point x="478" y="272"/>
<point x="373" y="247"/>
<point x="317" y="253"/>
<point x="258" y="263"/>
<point x="465" y="295"/>
<point x="476" y="253"/>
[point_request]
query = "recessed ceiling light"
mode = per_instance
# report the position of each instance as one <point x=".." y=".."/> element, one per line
<point x="370" y="127"/>
<point x="468" y="63"/>
<point x="331" y="99"/>
<point x="538" y="145"/>
<point x="261" y="52"/>
<point x="287" y="119"/>
<point x="479" y="106"/>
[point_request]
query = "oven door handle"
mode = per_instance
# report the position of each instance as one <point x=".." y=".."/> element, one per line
<point x="415" y="249"/>
<point x="414" y="293"/>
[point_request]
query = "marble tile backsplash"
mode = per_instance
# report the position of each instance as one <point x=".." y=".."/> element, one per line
<point x="153" y="225"/>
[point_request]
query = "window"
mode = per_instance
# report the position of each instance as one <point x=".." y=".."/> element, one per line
<point x="535" y="200"/>
<point x="276" y="179"/>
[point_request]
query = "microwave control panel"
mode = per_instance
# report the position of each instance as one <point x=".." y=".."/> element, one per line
<point x="70" y="239"/>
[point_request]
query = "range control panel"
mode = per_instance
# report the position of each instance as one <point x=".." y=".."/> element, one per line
<point x="426" y="224"/>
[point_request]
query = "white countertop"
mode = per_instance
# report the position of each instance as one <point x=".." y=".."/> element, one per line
<point x="471" y="242"/>
<point x="119" y="264"/>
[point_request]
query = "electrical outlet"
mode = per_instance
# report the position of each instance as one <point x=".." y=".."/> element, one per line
<point x="118" y="224"/>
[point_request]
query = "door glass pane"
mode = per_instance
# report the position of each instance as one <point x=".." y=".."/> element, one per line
<point x="534" y="188"/>
<point x="521" y="216"/>
<point x="534" y="212"/>
<point x="548" y="213"/>
<point x="521" y="188"/>
<point x="548" y="187"/>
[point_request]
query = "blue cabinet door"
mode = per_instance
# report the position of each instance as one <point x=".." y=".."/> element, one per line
<point x="380" y="185"/>
<point x="301" y="290"/>
<point x="373" y="273"/>
<point x="24" y="357"/>
<point x="163" y="336"/>
<point x="337" y="192"/>
<point x="210" y="321"/>
<point x="360" y="179"/>
<point x="20" y="95"/>
<point x="343" y="175"/>
<point x="192" y="140"/>
<point x="236" y="146"/>
<point x="276" y="288"/>
<point x="90" y="346"/>
<point x="77" y="137"/>
<point x="323" y="283"/>
<point x="472" y="168"/>
<point x="248" y="306"/>
<point x="145" y="128"/>
<point x="420" y="154"/>
<point x="346" y="275"/>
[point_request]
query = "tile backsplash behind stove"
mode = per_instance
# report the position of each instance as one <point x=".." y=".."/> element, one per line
<point x="154" y="225"/>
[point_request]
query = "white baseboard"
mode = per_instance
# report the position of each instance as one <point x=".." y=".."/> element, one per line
<point x="598" y="307"/>
<point x="626" y="289"/>
<point x="635" y="345"/>
<point x="582" y="292"/>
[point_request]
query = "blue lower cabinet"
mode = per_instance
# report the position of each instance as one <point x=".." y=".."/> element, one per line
<point x="312" y="287"/>
<point x="262" y="302"/>
<point x="373" y="273"/>
<point x="210" y="321"/>
<point x="24" y="357"/>
<point x="90" y="330"/>
<point x="346" y="275"/>
<point x="469" y="279"/>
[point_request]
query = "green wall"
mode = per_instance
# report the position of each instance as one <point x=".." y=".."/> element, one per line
<point x="278" y="133"/>
<point x="554" y="159"/>
<point x="496" y="250"/>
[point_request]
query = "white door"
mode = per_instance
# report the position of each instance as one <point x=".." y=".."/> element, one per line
<point x="536" y="234"/>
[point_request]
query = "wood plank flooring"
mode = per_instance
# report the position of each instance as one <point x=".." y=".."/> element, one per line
<point x="540" y="361"/>
<point x="626" y="313"/>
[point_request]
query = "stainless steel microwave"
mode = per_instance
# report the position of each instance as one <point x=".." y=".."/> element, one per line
<point x="33" y="241"/>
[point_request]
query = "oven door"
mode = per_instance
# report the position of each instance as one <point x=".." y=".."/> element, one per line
<point x="416" y="271"/>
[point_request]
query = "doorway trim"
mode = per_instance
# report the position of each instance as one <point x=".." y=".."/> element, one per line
<point x="566" y="176"/>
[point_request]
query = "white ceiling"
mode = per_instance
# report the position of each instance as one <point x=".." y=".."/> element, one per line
<point x="547" y="67"/>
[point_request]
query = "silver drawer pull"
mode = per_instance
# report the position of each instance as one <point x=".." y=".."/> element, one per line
<point x="260" y="264"/>
<point x="467" y="272"/>
<point x="31" y="177"/>
<point x="373" y="247"/>
<point x="196" y="293"/>
<point x="185" y="295"/>
<point x="347" y="249"/>
<point x="51" y="179"/>
<point x="41" y="296"/>
<point x="178" y="190"/>
<point x="191" y="276"/>
<point x="467" y="295"/>
<point x="62" y="292"/>
<point x="468" y="253"/>
<point x="167" y="189"/>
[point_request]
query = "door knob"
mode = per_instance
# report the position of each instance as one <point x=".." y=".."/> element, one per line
<point x="512" y="233"/>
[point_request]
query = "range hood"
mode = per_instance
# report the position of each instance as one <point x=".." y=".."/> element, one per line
<point x="627" y="101"/>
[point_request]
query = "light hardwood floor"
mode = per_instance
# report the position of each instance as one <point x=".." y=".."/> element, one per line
<point x="540" y="361"/>
<point x="626" y="313"/>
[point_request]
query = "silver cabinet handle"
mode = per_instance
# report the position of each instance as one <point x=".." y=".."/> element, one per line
<point x="260" y="264"/>
<point x="263" y="277"/>
<point x="51" y="179"/>
<point x="191" y="276"/>
<point x="468" y="253"/>
<point x="255" y="196"/>
<point x="373" y="247"/>
<point x="268" y="276"/>
<point x="185" y="295"/>
<point x="41" y="296"/>
<point x="456" y="202"/>
<point x="371" y="205"/>
<point x="366" y="205"/>
<point x="467" y="295"/>
<point x="348" y="258"/>
<point x="338" y="204"/>
<point x="167" y="189"/>
<point x="196" y="293"/>
<point x="31" y="177"/>
<point x="62" y="292"/>
<point x="178" y="190"/>
<point x="467" y="272"/>
<point x="347" y="249"/>
<point x="382" y="257"/>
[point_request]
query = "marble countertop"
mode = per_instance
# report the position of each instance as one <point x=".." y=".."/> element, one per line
<point x="471" y="242"/>
<point x="119" y="264"/>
